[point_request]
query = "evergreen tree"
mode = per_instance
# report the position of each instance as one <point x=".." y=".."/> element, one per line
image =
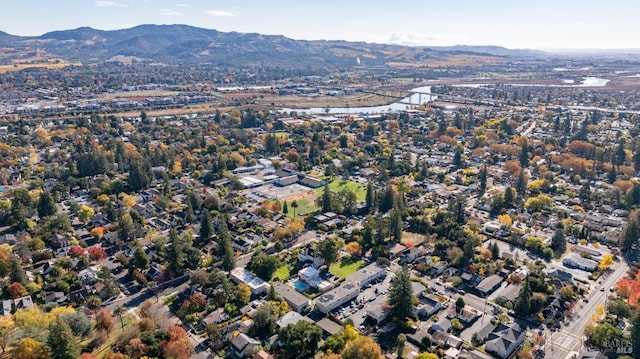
<point x="225" y="248"/>
<point x="483" y="180"/>
<point x="631" y="235"/>
<point x="558" y="241"/>
<point x="522" y="305"/>
<point x="176" y="256"/>
<point x="294" y="205"/>
<point x="635" y="334"/>
<point x="396" y="224"/>
<point x="206" y="228"/>
<point x="16" y="272"/>
<point x="387" y="200"/>
<point x="46" y="205"/>
<point x="189" y="216"/>
<point x="401" y="295"/>
<point x="509" y="197"/>
<point x="140" y="259"/>
<point x="325" y="200"/>
<point x="329" y="250"/>
<point x="521" y="183"/>
<point x="61" y="341"/>
<point x="285" y="208"/>
<point x="495" y="251"/>
<point x="458" y="160"/>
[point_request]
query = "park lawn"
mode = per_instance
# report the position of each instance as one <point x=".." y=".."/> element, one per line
<point x="305" y="207"/>
<point x="281" y="134"/>
<point x="283" y="273"/>
<point x="346" y="267"/>
<point x="338" y="185"/>
<point x="113" y="336"/>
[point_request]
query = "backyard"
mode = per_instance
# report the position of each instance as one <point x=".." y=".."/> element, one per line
<point x="347" y="266"/>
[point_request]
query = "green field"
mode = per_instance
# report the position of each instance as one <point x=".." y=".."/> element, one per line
<point x="338" y="185"/>
<point x="281" y="134"/>
<point x="346" y="267"/>
<point x="305" y="206"/>
<point x="281" y="273"/>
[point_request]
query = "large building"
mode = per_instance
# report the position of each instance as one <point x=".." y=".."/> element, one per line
<point x="337" y="297"/>
<point x="368" y="275"/>
<point x="257" y="285"/>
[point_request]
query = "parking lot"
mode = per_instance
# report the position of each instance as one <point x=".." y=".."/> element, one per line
<point x="357" y="310"/>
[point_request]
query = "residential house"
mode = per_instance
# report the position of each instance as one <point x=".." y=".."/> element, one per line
<point x="505" y="341"/>
<point x="9" y="239"/>
<point x="489" y="284"/>
<point x="262" y="355"/>
<point x="311" y="276"/>
<point x="437" y="268"/>
<point x="291" y="318"/>
<point x="574" y="260"/>
<point x="296" y="301"/>
<point x="310" y="255"/>
<point x="6" y="307"/>
<point x="428" y="306"/>
<point x="329" y="326"/>
<point x="243" y="345"/>
<point x="257" y="285"/>
<point x="23" y="303"/>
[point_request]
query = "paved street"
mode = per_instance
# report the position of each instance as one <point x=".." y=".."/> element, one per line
<point x="569" y="340"/>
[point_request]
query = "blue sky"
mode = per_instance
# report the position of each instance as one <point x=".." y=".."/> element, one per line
<point x="543" y="24"/>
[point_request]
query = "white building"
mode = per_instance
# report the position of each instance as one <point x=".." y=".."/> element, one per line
<point x="257" y="285"/>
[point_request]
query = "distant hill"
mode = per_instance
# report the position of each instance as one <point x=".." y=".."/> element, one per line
<point x="188" y="44"/>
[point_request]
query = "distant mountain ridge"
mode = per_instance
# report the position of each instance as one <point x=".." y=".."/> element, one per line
<point x="188" y="44"/>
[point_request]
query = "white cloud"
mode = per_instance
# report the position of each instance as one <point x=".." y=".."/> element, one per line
<point x="417" y="39"/>
<point x="220" y="13"/>
<point x="104" y="3"/>
<point x="182" y="5"/>
<point x="170" y="12"/>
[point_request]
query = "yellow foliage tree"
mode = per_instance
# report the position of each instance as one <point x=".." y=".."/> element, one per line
<point x="177" y="165"/>
<point x="606" y="262"/>
<point x="33" y="156"/>
<point x="349" y="333"/>
<point x="427" y="355"/>
<point x="85" y="213"/>
<point x="362" y="348"/>
<point x="505" y="220"/>
<point x="129" y="201"/>
<point x="29" y="348"/>
<point x="7" y="328"/>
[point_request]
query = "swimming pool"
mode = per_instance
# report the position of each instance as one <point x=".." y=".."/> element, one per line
<point x="300" y="285"/>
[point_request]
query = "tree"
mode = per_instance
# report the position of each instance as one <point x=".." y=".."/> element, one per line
<point x="631" y="234"/>
<point x="354" y="249"/>
<point x="300" y="339"/>
<point x="243" y="294"/>
<point x="7" y="328"/>
<point x="558" y="241"/>
<point x="370" y="197"/>
<point x="140" y="259"/>
<point x="285" y="208"/>
<point x="427" y="355"/>
<point x="605" y="263"/>
<point x="97" y="253"/>
<point x="396" y="224"/>
<point x="46" y="205"/>
<point x="401" y="295"/>
<point x="325" y="200"/>
<point x="79" y="323"/>
<point x="635" y="333"/>
<point x="85" y="213"/>
<point x="522" y="304"/>
<point x="119" y="311"/>
<point x="264" y="265"/>
<point x="264" y="322"/>
<point x="206" y="227"/>
<point x="460" y="303"/>
<point x="16" y="290"/>
<point x="29" y="348"/>
<point x="294" y="205"/>
<point x="483" y="180"/>
<point x="362" y="348"/>
<point x="329" y="250"/>
<point x="61" y="341"/>
<point x="16" y="272"/>
<point x="401" y="341"/>
<point x="126" y="228"/>
<point x="104" y="321"/>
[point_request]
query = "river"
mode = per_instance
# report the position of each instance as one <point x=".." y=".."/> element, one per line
<point x="404" y="104"/>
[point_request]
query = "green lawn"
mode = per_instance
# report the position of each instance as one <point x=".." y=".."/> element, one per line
<point x="281" y="134"/>
<point x="346" y="267"/>
<point x="338" y="185"/>
<point x="281" y="273"/>
<point x="113" y="336"/>
<point x="305" y="206"/>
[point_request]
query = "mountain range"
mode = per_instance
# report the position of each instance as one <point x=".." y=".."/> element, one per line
<point x="188" y="44"/>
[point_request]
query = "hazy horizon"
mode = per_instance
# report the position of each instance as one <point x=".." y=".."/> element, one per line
<point x="544" y="25"/>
